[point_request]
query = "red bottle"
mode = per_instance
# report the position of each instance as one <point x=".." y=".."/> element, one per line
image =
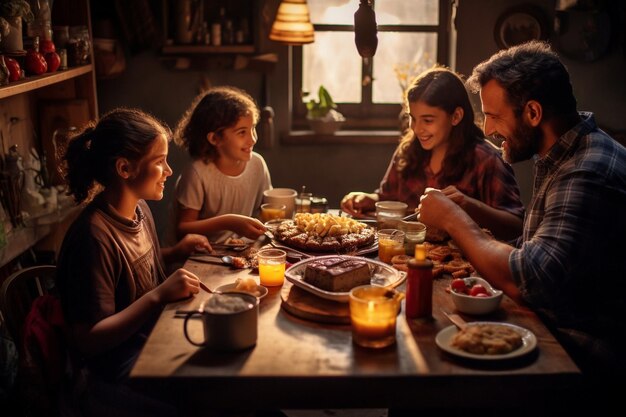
<point x="35" y="62"/>
<point x="419" y="286"/>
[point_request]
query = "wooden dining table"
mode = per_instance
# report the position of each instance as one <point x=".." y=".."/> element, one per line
<point x="300" y="363"/>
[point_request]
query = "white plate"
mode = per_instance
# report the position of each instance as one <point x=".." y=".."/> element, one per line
<point x="382" y="274"/>
<point x="233" y="288"/>
<point x="444" y="341"/>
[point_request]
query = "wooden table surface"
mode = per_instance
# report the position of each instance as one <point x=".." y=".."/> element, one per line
<point x="303" y="364"/>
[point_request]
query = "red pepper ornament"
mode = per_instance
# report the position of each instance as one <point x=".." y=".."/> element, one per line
<point x="53" y="60"/>
<point x="15" y="72"/>
<point x="35" y="62"/>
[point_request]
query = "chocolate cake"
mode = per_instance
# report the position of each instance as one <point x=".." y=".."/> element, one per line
<point x="337" y="274"/>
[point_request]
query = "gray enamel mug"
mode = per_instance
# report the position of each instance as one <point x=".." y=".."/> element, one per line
<point x="229" y="322"/>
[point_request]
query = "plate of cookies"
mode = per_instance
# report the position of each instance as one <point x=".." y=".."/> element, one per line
<point x="487" y="341"/>
<point x="333" y="276"/>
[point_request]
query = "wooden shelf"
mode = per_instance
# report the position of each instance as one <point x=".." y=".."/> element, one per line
<point x="21" y="239"/>
<point x="207" y="49"/>
<point x="39" y="81"/>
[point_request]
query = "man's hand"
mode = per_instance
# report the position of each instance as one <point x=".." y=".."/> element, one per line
<point x="436" y="209"/>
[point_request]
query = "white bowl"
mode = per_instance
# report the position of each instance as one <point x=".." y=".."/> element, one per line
<point x="477" y="305"/>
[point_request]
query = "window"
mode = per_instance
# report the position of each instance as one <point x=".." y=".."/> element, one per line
<point x="412" y="36"/>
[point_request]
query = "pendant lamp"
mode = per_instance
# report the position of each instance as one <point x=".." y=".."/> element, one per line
<point x="292" y="25"/>
<point x="365" y="30"/>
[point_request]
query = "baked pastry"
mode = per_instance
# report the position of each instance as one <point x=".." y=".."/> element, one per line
<point x="321" y="232"/>
<point x="337" y="274"/>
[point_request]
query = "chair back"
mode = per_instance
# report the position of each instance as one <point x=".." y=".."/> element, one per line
<point x="18" y="293"/>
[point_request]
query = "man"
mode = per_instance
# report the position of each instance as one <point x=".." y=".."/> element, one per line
<point x="568" y="264"/>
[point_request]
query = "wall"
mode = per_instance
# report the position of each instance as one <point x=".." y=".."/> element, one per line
<point x="333" y="170"/>
<point x="330" y="171"/>
<point x="599" y="86"/>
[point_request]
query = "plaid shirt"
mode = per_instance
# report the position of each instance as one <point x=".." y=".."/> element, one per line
<point x="490" y="180"/>
<point x="572" y="245"/>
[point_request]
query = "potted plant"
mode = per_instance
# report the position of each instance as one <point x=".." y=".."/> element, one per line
<point x="13" y="12"/>
<point x="321" y="114"/>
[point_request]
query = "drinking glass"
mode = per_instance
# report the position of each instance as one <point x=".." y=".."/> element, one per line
<point x="390" y="244"/>
<point x="271" y="211"/>
<point x="414" y="233"/>
<point x="272" y="267"/>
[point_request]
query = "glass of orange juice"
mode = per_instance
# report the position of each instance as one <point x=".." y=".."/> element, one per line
<point x="390" y="244"/>
<point x="271" y="211"/>
<point x="272" y="267"/>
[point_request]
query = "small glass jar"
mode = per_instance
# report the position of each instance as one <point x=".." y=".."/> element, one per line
<point x="78" y="46"/>
<point x="60" y="36"/>
<point x="414" y="233"/>
<point x="319" y="205"/>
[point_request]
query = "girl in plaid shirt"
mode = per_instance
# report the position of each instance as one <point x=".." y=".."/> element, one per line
<point x="444" y="149"/>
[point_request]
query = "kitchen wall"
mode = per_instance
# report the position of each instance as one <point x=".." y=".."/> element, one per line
<point x="333" y="170"/>
<point x="599" y="86"/>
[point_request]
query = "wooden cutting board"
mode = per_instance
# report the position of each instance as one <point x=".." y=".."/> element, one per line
<point x="307" y="306"/>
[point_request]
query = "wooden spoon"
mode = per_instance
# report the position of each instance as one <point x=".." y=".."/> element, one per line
<point x="456" y="320"/>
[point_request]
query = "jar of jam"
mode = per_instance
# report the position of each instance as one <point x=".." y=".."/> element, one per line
<point x="319" y="205"/>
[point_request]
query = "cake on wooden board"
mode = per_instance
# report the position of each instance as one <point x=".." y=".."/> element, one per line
<point x="337" y="274"/>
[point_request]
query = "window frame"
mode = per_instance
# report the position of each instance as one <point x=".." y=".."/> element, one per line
<point x="369" y="115"/>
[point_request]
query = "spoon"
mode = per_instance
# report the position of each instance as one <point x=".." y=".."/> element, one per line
<point x="226" y="259"/>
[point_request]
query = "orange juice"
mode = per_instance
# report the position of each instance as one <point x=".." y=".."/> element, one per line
<point x="388" y="248"/>
<point x="272" y="274"/>
<point x="271" y="213"/>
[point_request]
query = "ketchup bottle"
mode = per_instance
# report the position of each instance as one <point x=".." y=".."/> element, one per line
<point x="419" y="286"/>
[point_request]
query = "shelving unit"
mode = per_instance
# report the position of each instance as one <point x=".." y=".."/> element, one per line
<point x="32" y="108"/>
<point x="209" y="9"/>
<point x="41" y="81"/>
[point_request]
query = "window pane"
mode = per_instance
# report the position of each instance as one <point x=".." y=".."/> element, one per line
<point x="333" y="61"/>
<point x="400" y="57"/>
<point x="333" y="12"/>
<point x="388" y="12"/>
<point x="403" y="12"/>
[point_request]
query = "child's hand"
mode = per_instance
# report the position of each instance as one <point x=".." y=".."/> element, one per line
<point x="356" y="203"/>
<point x="181" y="284"/>
<point x="246" y="226"/>
<point x="454" y="194"/>
<point x="192" y="243"/>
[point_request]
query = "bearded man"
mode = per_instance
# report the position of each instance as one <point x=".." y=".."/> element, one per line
<point x="569" y="261"/>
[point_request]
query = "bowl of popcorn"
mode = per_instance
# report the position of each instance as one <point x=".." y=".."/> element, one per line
<point x="474" y="295"/>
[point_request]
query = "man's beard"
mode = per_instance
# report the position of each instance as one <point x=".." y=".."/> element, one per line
<point x="523" y="143"/>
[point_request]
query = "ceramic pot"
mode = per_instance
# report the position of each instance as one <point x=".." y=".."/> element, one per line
<point x="13" y="41"/>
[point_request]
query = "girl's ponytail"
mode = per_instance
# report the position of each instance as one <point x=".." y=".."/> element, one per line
<point x="78" y="165"/>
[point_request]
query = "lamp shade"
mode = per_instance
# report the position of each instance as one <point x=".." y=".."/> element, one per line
<point x="293" y="23"/>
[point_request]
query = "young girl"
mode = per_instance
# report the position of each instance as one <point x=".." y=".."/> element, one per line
<point x="224" y="185"/>
<point x="444" y="149"/>
<point x="110" y="274"/>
